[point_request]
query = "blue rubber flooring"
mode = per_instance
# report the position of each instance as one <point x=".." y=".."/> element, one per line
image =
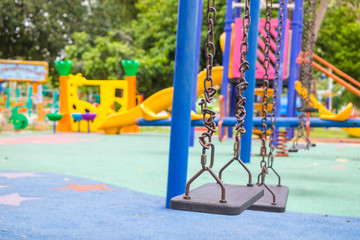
<point x="47" y="210"/>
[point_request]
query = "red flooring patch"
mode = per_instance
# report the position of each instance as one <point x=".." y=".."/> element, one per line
<point x="85" y="188"/>
<point x="50" y="138"/>
<point x="337" y="166"/>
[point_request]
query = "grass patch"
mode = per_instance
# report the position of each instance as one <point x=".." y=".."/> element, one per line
<point x="328" y="133"/>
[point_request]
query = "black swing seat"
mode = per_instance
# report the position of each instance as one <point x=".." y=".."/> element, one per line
<point x="294" y="150"/>
<point x="296" y="147"/>
<point x="206" y="199"/>
<point x="307" y="110"/>
<point x="265" y="203"/>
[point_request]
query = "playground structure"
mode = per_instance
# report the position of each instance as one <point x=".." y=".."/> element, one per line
<point x="154" y="104"/>
<point x="114" y="121"/>
<point x="181" y="107"/>
<point x="116" y="206"/>
<point x="112" y="92"/>
<point x="32" y="73"/>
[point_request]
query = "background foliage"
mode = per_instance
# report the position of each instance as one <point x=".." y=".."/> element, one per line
<point x="98" y="34"/>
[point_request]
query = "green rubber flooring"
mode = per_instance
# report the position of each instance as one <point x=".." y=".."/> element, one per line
<point x="323" y="180"/>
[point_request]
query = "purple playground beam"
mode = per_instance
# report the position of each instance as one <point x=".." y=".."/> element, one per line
<point x="281" y="70"/>
<point x="226" y="55"/>
<point x="281" y="122"/>
<point x="296" y="26"/>
<point x="232" y="98"/>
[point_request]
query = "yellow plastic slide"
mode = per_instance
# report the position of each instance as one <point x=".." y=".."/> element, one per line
<point x="324" y="112"/>
<point x="154" y="104"/>
<point x="353" y="131"/>
<point x="328" y="115"/>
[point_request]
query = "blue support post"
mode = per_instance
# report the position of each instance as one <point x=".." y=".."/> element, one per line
<point x="250" y="77"/>
<point x="237" y="10"/>
<point x="296" y="26"/>
<point x="232" y="98"/>
<point x="29" y="103"/>
<point x="196" y="67"/>
<point x="281" y="70"/>
<point x="281" y="122"/>
<point x="226" y="55"/>
<point x="181" y="107"/>
<point x="40" y="93"/>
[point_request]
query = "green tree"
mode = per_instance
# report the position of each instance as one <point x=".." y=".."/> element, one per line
<point x="38" y="29"/>
<point x="149" y="38"/>
<point x="154" y="31"/>
<point x="338" y="43"/>
<point x="106" y="15"/>
<point x="99" y="57"/>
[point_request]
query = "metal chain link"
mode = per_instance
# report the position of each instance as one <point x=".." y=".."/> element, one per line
<point x="240" y="111"/>
<point x="209" y="91"/>
<point x="265" y="99"/>
<point x="276" y="81"/>
<point x="306" y="69"/>
<point x="208" y="114"/>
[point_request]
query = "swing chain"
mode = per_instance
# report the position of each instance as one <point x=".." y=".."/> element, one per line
<point x="240" y="111"/>
<point x="209" y="89"/>
<point x="208" y="114"/>
<point x="306" y="69"/>
<point x="276" y="81"/>
<point x="265" y="99"/>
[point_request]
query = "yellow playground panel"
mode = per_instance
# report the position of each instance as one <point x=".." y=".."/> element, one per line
<point x="111" y="91"/>
<point x="116" y="96"/>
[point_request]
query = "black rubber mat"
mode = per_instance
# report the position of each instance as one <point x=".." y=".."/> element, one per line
<point x="265" y="203"/>
<point x="207" y="199"/>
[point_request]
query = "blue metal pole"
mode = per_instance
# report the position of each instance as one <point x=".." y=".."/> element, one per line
<point x="237" y="10"/>
<point x="296" y="26"/>
<point x="281" y="70"/>
<point x="281" y="122"/>
<point x="40" y="93"/>
<point x="196" y="67"/>
<point x="181" y="107"/>
<point x="226" y="55"/>
<point x="250" y="76"/>
<point x="232" y="100"/>
<point x="232" y="87"/>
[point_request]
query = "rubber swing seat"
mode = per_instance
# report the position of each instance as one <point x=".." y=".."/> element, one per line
<point x="265" y="203"/>
<point x="206" y="199"/>
<point x="297" y="147"/>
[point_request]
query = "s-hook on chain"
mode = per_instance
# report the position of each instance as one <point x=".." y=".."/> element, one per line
<point x="240" y="111"/>
<point x="208" y="114"/>
<point x="275" y="87"/>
